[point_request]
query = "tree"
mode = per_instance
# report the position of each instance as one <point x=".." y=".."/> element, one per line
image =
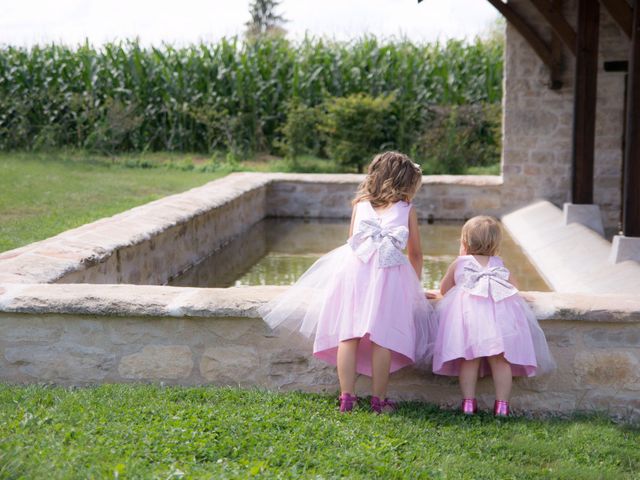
<point x="264" y="19"/>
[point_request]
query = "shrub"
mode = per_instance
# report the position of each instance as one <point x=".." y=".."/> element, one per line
<point x="356" y="127"/>
<point x="300" y="131"/>
<point x="460" y="137"/>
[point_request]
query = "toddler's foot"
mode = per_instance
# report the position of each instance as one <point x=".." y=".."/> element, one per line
<point x="469" y="406"/>
<point x="501" y="408"/>
<point x="383" y="406"/>
<point x="347" y="402"/>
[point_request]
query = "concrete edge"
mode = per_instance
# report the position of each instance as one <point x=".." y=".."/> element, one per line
<point x="570" y="258"/>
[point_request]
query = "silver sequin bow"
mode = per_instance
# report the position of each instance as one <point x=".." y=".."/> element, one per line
<point x="492" y="282"/>
<point x="370" y="237"/>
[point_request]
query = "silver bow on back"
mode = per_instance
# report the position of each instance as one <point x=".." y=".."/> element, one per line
<point x="370" y="237"/>
<point x="492" y="282"/>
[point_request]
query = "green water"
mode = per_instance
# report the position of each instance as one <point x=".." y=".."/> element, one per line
<point x="279" y="251"/>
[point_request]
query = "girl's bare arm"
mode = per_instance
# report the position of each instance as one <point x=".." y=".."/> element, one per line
<point x="448" y="282"/>
<point x="414" y="249"/>
<point x="353" y="220"/>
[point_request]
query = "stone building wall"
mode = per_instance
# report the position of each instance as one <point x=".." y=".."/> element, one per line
<point x="538" y="121"/>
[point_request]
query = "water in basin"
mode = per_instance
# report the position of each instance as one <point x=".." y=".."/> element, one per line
<point x="278" y="251"/>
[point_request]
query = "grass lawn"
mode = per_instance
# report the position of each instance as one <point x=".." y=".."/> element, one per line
<point x="44" y="194"/>
<point x="148" y="431"/>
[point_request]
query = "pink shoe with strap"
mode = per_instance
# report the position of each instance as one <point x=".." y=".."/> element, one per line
<point x="347" y="402"/>
<point x="469" y="406"/>
<point x="501" y="408"/>
<point x="383" y="406"/>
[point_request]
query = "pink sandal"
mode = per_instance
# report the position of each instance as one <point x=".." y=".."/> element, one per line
<point x="347" y="402"/>
<point x="469" y="406"/>
<point x="383" y="406"/>
<point x="501" y="408"/>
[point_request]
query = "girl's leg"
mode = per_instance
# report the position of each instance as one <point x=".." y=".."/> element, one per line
<point x="502" y="377"/>
<point x="469" y="377"/>
<point x="380" y="365"/>
<point x="347" y="356"/>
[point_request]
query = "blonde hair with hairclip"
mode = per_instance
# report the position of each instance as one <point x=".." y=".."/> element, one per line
<point x="482" y="235"/>
<point x="391" y="177"/>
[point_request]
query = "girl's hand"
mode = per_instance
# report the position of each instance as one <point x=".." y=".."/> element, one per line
<point x="432" y="294"/>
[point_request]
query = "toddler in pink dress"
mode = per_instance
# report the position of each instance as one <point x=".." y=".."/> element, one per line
<point x="364" y="300"/>
<point x="485" y="327"/>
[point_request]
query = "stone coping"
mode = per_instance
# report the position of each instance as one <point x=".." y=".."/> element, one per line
<point x="243" y="302"/>
<point x="352" y="178"/>
<point x="571" y="258"/>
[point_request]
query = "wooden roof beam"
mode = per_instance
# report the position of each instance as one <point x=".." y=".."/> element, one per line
<point x="621" y="12"/>
<point x="631" y="173"/>
<point x="558" y="23"/>
<point x="584" y="101"/>
<point x="528" y="33"/>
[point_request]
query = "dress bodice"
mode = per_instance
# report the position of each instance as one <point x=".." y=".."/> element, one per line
<point x="396" y="215"/>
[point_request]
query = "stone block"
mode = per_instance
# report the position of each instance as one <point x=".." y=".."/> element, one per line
<point x="233" y="365"/>
<point x="157" y="362"/>
<point x="610" y="368"/>
<point x="454" y="203"/>
<point x="624" y="248"/>
<point x="62" y="363"/>
<point x="587" y="215"/>
<point x="612" y="338"/>
<point x="483" y="203"/>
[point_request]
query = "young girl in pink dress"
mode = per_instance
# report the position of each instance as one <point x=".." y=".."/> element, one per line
<point x="364" y="300"/>
<point x="484" y="325"/>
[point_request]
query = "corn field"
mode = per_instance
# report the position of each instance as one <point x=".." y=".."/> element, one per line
<point x="228" y="95"/>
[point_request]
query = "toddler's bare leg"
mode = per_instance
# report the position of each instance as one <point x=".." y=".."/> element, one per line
<point x="502" y="377"/>
<point x="469" y="377"/>
<point x="347" y="356"/>
<point x="380" y="365"/>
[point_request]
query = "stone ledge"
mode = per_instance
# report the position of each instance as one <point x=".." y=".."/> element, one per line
<point x="162" y="301"/>
<point x="352" y="178"/>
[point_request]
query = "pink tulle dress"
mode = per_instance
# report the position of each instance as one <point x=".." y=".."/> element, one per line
<point x="483" y="315"/>
<point x="365" y="289"/>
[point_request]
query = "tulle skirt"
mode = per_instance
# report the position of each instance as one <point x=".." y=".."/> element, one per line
<point x="474" y="327"/>
<point x="341" y="298"/>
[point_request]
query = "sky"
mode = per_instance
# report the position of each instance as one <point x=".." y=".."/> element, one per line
<point x="28" y="22"/>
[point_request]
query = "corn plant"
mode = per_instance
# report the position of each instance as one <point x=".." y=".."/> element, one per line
<point x="229" y="95"/>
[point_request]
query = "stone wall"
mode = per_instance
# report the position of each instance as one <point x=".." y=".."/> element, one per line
<point x="88" y="334"/>
<point x="537" y="123"/>
<point x="442" y="197"/>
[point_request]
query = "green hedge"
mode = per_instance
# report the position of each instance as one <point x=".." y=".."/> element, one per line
<point x="230" y="95"/>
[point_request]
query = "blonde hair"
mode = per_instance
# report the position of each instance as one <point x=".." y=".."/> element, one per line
<point x="482" y="235"/>
<point x="391" y="177"/>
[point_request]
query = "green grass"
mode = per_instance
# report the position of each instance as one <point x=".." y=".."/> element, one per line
<point x="44" y="194"/>
<point x="488" y="170"/>
<point x="155" y="432"/>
